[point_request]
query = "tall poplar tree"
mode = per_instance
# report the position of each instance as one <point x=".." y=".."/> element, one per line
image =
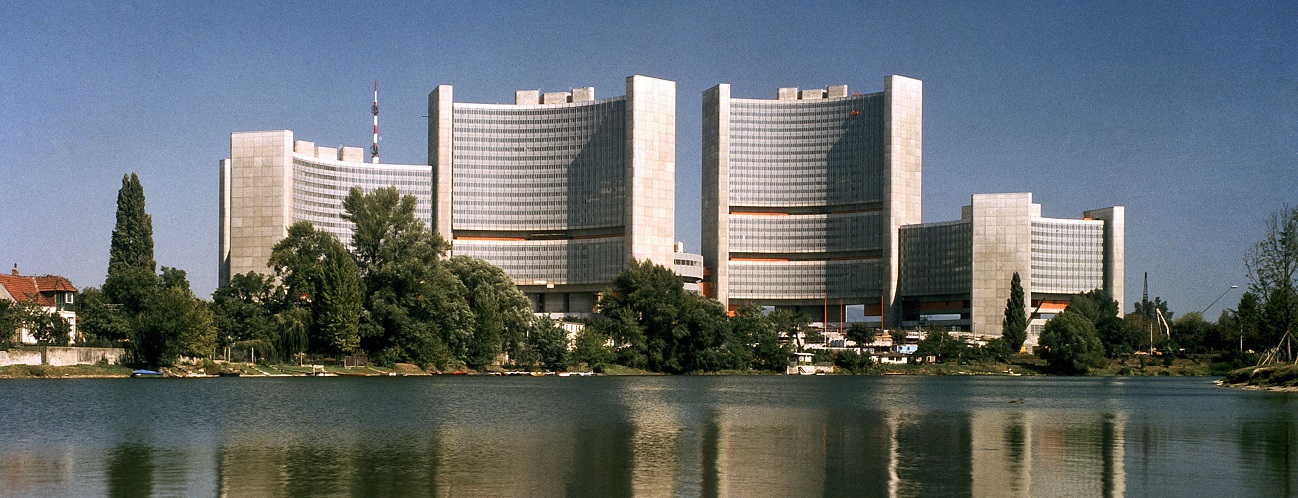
<point x="131" y="267"/>
<point x="1014" y="328"/>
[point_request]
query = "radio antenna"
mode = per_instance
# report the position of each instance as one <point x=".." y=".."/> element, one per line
<point x="374" y="149"/>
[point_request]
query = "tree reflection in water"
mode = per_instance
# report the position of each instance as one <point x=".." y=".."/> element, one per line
<point x="688" y="436"/>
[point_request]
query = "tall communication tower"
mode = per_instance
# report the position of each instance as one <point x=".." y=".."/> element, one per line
<point x="374" y="149"/>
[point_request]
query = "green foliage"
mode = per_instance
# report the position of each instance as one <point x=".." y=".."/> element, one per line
<point x="1273" y="270"/>
<point x="942" y="345"/>
<point x="131" y="266"/>
<point x="172" y="324"/>
<point x="337" y="308"/>
<point x="1146" y="308"/>
<point x="754" y="329"/>
<point x="853" y="362"/>
<point x="48" y="328"/>
<point x="1099" y="308"/>
<point x="1069" y="344"/>
<point x="501" y="312"/>
<point x="592" y="348"/>
<point x="317" y="275"/>
<point x="1191" y="332"/>
<point x="417" y="309"/>
<point x="242" y="309"/>
<point x="997" y="349"/>
<point x="640" y="313"/>
<point x="898" y="336"/>
<point x="791" y="325"/>
<point x="98" y="320"/>
<point x="710" y="346"/>
<point x="861" y="334"/>
<point x="1249" y="320"/>
<point x="9" y="322"/>
<point x="658" y="326"/>
<point x="550" y="343"/>
<point x="1014" y="327"/>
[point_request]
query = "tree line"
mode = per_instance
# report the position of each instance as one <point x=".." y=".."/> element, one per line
<point x="396" y="297"/>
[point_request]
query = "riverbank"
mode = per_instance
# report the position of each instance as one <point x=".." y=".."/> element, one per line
<point x="64" y="372"/>
<point x="1025" y="365"/>
<point x="1282" y="378"/>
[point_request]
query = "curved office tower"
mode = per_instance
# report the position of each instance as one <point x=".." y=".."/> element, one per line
<point x="558" y="189"/>
<point x="271" y="181"/>
<point x="804" y="195"/>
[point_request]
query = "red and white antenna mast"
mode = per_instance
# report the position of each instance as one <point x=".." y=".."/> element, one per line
<point x="374" y="149"/>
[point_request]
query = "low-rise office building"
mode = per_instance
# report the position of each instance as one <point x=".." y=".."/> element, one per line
<point x="957" y="273"/>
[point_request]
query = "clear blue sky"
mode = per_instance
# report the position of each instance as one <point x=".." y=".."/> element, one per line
<point x="1185" y="114"/>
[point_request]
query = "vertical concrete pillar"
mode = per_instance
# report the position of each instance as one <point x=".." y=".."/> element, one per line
<point x="440" y="136"/>
<point x="1114" y="250"/>
<point x="651" y="169"/>
<point x="903" y="161"/>
<point x="716" y="191"/>
<point x="223" y="245"/>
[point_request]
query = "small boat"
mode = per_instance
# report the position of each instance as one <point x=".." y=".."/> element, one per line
<point x="146" y="373"/>
<point x="228" y="374"/>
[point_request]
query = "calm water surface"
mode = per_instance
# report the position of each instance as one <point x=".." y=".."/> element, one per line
<point x="645" y="436"/>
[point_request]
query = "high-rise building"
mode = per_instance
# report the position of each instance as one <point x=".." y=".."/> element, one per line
<point x="271" y="181"/>
<point x="803" y="195"/>
<point x="559" y="189"/>
<point x="957" y="273"/>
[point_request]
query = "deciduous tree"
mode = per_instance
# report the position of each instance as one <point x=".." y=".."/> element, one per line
<point x="417" y="309"/>
<point x="1069" y="344"/>
<point x="1273" y="269"/>
<point x="549" y="342"/>
<point x="501" y="312"/>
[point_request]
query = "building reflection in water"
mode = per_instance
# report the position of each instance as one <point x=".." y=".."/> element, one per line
<point x="685" y="437"/>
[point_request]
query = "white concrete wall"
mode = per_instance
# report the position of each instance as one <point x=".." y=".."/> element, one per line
<point x="440" y="133"/>
<point x="61" y="356"/>
<point x="651" y="169"/>
<point x="1002" y="245"/>
<point x="260" y="207"/>
<point x="716" y="190"/>
<point x="903" y="159"/>
<point x="1115" y="253"/>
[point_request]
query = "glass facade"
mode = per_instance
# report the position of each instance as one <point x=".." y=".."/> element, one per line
<point x="814" y="169"/>
<point x="319" y="187"/>
<point x="814" y="233"/>
<point x="937" y="258"/>
<point x="593" y="261"/>
<point x="805" y="279"/>
<point x="1067" y="256"/>
<point x="806" y="153"/>
<point x="529" y="168"/>
<point x="547" y="183"/>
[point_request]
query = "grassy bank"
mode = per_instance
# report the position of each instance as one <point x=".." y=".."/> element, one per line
<point x="1276" y="377"/>
<point x="63" y="372"/>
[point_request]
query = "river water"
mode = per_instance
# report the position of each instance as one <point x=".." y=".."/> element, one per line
<point x="645" y="436"/>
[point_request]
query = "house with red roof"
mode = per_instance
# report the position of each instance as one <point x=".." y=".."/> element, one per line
<point x="51" y="293"/>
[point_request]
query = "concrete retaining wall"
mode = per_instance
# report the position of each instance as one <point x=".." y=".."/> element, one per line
<point x="59" y="356"/>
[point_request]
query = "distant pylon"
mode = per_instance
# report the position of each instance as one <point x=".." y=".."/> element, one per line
<point x="374" y="149"/>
